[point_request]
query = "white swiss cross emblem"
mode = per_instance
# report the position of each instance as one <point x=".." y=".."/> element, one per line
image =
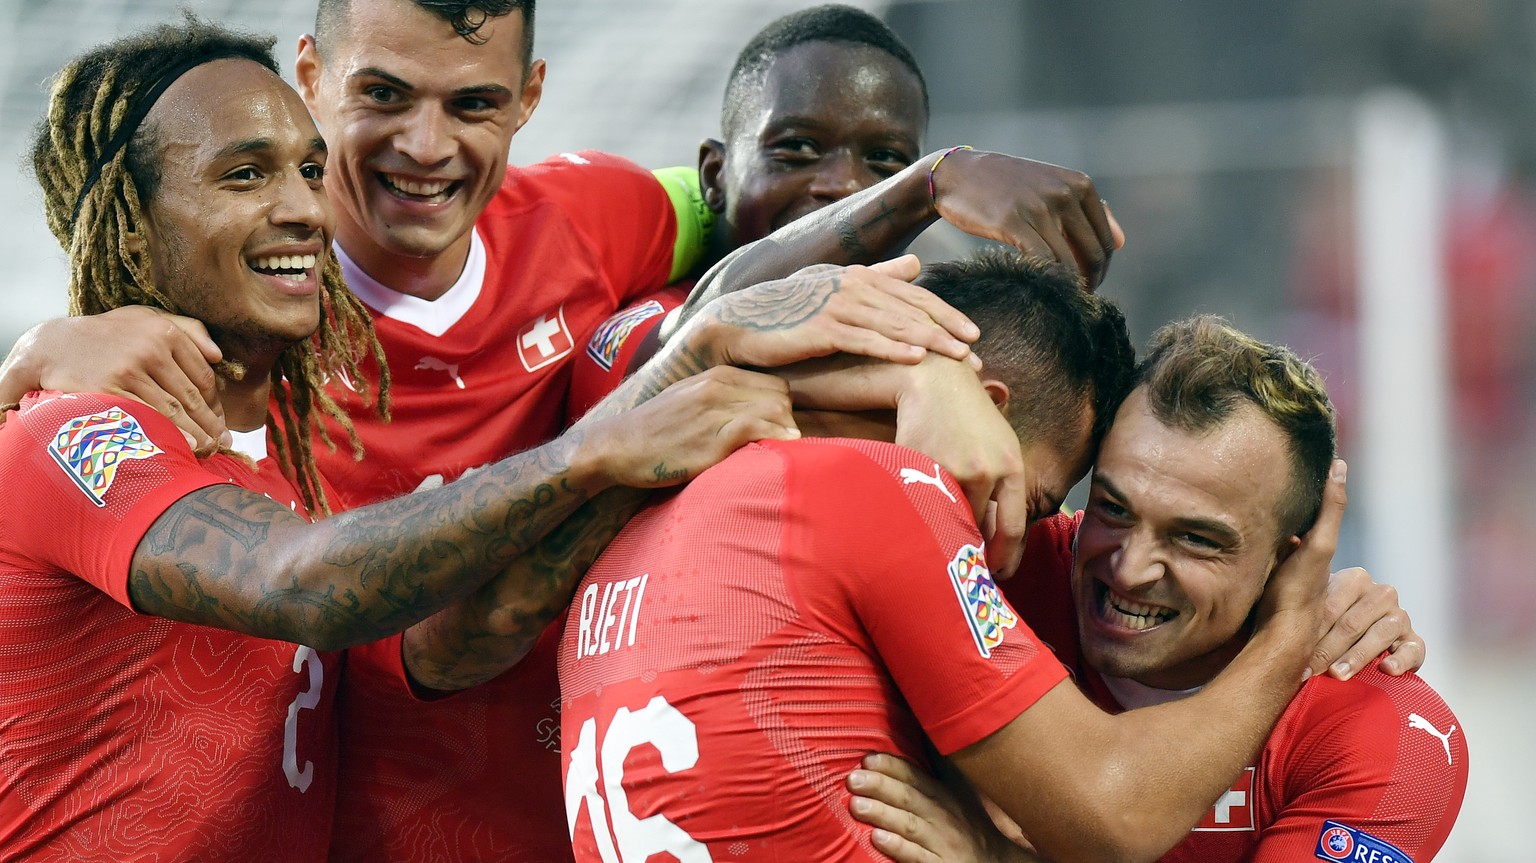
<point x="1233" y="810"/>
<point x="544" y="339"/>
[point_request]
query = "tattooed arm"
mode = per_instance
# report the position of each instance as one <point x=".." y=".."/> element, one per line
<point x="816" y="312"/>
<point x="1043" y="210"/>
<point x="231" y="558"/>
<point x="495" y="627"/>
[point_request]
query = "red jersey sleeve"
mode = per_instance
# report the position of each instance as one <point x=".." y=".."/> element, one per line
<point x="611" y="347"/>
<point x="1383" y="758"/>
<point x="85" y="476"/>
<point x="622" y="210"/>
<point x="888" y="529"/>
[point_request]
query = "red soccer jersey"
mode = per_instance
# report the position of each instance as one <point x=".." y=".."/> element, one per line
<point x="481" y="373"/>
<point x="746" y="640"/>
<point x="1374" y="764"/>
<point x="610" y="349"/>
<point x="125" y="736"/>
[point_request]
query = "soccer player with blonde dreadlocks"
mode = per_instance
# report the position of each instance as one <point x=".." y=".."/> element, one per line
<point x="169" y="692"/>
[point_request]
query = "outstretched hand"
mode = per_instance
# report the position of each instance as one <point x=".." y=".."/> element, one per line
<point x="872" y="311"/>
<point x="1043" y="210"/>
<point x="138" y="352"/>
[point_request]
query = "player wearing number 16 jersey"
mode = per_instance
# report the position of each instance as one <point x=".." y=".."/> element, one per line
<point x="744" y="642"/>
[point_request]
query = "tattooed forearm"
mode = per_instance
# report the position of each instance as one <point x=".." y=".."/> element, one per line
<point x="676" y="361"/>
<point x="782" y="304"/>
<point x="848" y="238"/>
<point x="231" y="558"/>
<point x="491" y="631"/>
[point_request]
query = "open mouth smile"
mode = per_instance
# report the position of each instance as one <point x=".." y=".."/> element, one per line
<point x="421" y="191"/>
<point x="1125" y="613"/>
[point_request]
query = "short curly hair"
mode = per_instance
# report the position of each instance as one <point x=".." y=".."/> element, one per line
<point x="1054" y="344"/>
<point x="1197" y="371"/>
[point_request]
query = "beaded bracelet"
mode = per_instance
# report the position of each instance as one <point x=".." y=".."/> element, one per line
<point x="933" y="196"/>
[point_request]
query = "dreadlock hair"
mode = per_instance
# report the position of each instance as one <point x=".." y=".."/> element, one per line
<point x="97" y="189"/>
<point x="1198" y="371"/>
<point x="466" y="17"/>
<point x="830" y="23"/>
<point x="1053" y="343"/>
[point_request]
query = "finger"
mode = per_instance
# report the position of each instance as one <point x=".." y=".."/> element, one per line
<point x="842" y="338"/>
<point x="900" y="849"/>
<point x="1118" y="232"/>
<point x="1005" y="547"/>
<point x="926" y="302"/>
<point x="1062" y="251"/>
<point x="191" y="382"/>
<point x="903" y="797"/>
<point x="899" y="324"/>
<point x="904" y="268"/>
<point x="1087" y="229"/>
<point x="1375" y="641"/>
<point x="1033" y="244"/>
<point x="1321" y="541"/>
<point x="1407" y="655"/>
<point x="198" y="334"/>
<point x="152" y="393"/>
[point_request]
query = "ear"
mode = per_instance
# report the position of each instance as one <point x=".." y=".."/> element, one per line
<point x="133" y="241"/>
<point x="998" y="392"/>
<point x="533" y="91"/>
<point x="306" y="70"/>
<point x="712" y="174"/>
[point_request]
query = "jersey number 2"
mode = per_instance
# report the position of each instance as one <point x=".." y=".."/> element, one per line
<point x="658" y="724"/>
<point x="305" y="700"/>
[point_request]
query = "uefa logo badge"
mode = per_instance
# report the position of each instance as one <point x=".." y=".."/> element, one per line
<point x="1336" y="843"/>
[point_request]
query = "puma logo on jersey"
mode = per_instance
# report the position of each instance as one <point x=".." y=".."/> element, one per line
<point x="436" y="365"/>
<point x="910" y="475"/>
<point x="1419" y="722"/>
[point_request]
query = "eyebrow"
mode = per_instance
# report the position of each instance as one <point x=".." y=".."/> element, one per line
<point x="1219" y="531"/>
<point x="262" y="145"/>
<point x="814" y="123"/>
<point x="401" y="84"/>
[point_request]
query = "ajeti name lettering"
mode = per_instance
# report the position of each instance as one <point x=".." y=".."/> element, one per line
<point x="609" y="614"/>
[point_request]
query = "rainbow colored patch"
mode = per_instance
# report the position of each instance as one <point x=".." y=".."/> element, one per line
<point x="985" y="610"/>
<point x="90" y="449"/>
<point x="609" y="337"/>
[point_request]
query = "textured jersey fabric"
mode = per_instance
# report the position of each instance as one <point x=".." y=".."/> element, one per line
<point x="747" y="640"/>
<point x="125" y="737"/>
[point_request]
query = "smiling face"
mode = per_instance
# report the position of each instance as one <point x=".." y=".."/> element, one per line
<point x="239" y="226"/>
<point x="829" y="120"/>
<point x="420" y="121"/>
<point x="1179" y="537"/>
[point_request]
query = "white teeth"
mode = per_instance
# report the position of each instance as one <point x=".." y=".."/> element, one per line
<point x="274" y="263"/>
<point x="1134" y="615"/>
<point x="419" y="188"/>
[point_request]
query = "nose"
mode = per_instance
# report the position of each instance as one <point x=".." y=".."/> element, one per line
<point x="1135" y="563"/>
<point x="840" y="174"/>
<point x="300" y="203"/>
<point x="427" y="135"/>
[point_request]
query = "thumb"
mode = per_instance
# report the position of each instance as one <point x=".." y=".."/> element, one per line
<point x="906" y="267"/>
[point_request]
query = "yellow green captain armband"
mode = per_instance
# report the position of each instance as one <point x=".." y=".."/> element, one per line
<point x="695" y="220"/>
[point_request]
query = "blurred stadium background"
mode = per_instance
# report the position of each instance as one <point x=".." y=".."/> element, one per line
<point x="1351" y="178"/>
